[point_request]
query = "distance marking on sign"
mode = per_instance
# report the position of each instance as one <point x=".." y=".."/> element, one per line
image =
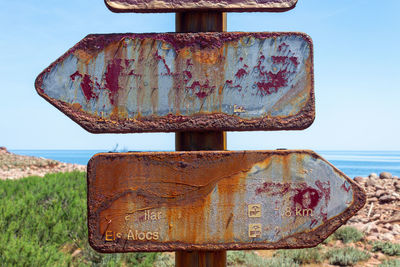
<point x="213" y="200"/>
<point x="199" y="5"/>
<point x="123" y="83"/>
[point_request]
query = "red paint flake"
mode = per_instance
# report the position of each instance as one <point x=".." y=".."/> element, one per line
<point x="294" y="61"/>
<point x="75" y="74"/>
<point x="345" y="187"/>
<point x="283" y="46"/>
<point x="188" y="74"/>
<point x="201" y="94"/>
<point x="313" y="222"/>
<point x="279" y="59"/>
<point x="274" y="189"/>
<point x="240" y="59"/>
<point x="132" y="73"/>
<point x="86" y="85"/>
<point x="158" y="57"/>
<point x="307" y="198"/>
<point x="128" y="62"/>
<point x="87" y="88"/>
<point x="240" y="73"/>
<point x="203" y="90"/>
<point x="245" y="65"/>
<point x="112" y="74"/>
<point x="325" y="188"/>
<point x="276" y="81"/>
<point x="189" y="62"/>
<point x="228" y="82"/>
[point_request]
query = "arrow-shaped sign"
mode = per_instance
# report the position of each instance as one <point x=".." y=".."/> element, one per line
<point x="122" y="83"/>
<point x="165" y="201"/>
<point x="199" y="5"/>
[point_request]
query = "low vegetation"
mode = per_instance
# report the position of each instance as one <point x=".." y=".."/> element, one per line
<point x="348" y="234"/>
<point x="347" y="256"/>
<point x="302" y="256"/>
<point x="43" y="223"/>
<point x="387" y="248"/>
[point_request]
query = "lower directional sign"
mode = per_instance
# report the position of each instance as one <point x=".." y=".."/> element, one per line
<point x="216" y="200"/>
<point x="122" y="83"/>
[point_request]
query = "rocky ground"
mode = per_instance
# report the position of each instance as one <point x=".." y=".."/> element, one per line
<point x="380" y="217"/>
<point x="13" y="166"/>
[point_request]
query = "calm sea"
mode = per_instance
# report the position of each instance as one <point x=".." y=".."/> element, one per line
<point x="352" y="163"/>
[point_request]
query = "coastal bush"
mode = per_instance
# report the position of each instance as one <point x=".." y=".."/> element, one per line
<point x="244" y="258"/>
<point x="390" y="263"/>
<point x="387" y="248"/>
<point x="279" y="262"/>
<point x="346" y="256"/>
<point x="348" y="234"/>
<point x="302" y="256"/>
<point x="328" y="240"/>
<point x="43" y="221"/>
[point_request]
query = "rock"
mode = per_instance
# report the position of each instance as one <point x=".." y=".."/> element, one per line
<point x="385" y="175"/>
<point x="376" y="217"/>
<point x="395" y="177"/>
<point x="373" y="176"/>
<point x="3" y="149"/>
<point x="396" y="227"/>
<point x="388" y="226"/>
<point x="387" y="237"/>
<point x="385" y="199"/>
<point x="379" y="187"/>
<point x="359" y="179"/>
<point x="380" y="193"/>
<point x="373" y="199"/>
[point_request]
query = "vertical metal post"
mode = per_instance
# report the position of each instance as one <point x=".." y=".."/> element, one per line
<point x="194" y="141"/>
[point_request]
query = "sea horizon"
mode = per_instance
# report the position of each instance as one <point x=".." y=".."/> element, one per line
<point x="351" y="162"/>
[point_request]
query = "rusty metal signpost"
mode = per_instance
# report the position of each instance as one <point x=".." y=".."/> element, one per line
<point x="245" y="200"/>
<point x="198" y="83"/>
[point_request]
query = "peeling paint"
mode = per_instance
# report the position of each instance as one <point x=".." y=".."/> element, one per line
<point x="245" y="200"/>
<point x="137" y="82"/>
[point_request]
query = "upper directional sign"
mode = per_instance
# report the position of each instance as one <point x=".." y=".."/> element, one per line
<point x="160" y="201"/>
<point x="199" y="5"/>
<point x="122" y="83"/>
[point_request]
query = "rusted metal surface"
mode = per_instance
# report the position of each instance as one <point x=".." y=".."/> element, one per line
<point x="195" y="141"/>
<point x="200" y="259"/>
<point x="200" y="5"/>
<point x="200" y="22"/>
<point x="122" y="83"/>
<point x="216" y="200"/>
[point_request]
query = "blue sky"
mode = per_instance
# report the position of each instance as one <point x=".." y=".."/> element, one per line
<point x="357" y="73"/>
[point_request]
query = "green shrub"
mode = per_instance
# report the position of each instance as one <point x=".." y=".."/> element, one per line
<point x="279" y="262"/>
<point x="41" y="217"/>
<point x="328" y="240"/>
<point x="348" y="234"/>
<point x="244" y="258"/>
<point x="390" y="263"/>
<point x="164" y="260"/>
<point x="387" y="248"/>
<point x="346" y="256"/>
<point x="302" y="256"/>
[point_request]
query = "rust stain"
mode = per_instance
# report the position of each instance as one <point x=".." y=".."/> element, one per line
<point x="179" y="82"/>
<point x="144" y="6"/>
<point x="165" y="201"/>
